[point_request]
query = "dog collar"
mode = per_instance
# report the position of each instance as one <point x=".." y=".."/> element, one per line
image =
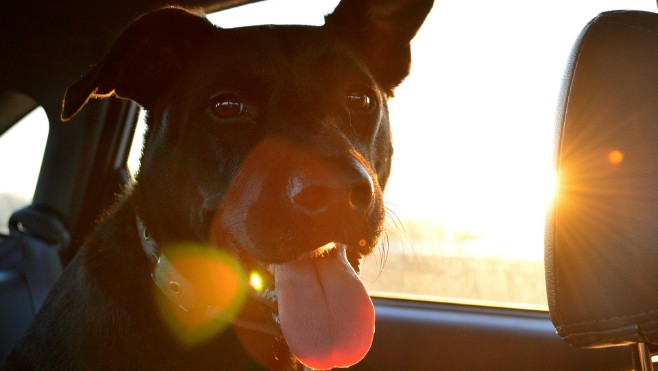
<point x="180" y="292"/>
<point x="167" y="278"/>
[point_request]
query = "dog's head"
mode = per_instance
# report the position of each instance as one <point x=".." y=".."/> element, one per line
<point x="272" y="142"/>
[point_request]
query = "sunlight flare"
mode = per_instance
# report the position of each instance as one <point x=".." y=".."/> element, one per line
<point x="256" y="281"/>
<point x="206" y="291"/>
<point x="616" y="157"/>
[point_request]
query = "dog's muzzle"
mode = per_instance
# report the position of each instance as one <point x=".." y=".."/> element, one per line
<point x="316" y="302"/>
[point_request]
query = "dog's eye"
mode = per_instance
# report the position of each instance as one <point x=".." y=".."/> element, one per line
<point x="227" y="105"/>
<point x="358" y="101"/>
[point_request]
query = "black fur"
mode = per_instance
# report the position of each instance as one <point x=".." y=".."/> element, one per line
<point x="304" y="164"/>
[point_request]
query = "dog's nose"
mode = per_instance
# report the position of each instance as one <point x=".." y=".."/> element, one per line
<point x="314" y="194"/>
<point x="310" y="199"/>
<point x="362" y="192"/>
<point x="361" y="197"/>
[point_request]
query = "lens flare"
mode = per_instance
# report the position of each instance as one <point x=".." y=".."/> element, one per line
<point x="615" y="157"/>
<point x="208" y="288"/>
<point x="256" y="281"/>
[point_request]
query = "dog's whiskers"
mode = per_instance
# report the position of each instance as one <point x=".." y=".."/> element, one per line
<point x="397" y="222"/>
<point x="394" y="230"/>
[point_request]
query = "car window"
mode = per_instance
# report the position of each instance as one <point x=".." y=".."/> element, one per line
<point x="473" y="129"/>
<point x="21" y="152"/>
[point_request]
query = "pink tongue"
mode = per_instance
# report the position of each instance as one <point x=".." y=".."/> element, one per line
<point x="327" y="317"/>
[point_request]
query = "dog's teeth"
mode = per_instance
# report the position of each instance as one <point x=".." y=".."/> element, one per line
<point x="326" y="248"/>
<point x="321" y="251"/>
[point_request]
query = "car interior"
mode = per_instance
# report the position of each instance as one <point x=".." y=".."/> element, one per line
<point x="597" y="249"/>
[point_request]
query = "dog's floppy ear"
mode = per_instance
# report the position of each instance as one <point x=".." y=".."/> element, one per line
<point x="142" y="61"/>
<point x="383" y="29"/>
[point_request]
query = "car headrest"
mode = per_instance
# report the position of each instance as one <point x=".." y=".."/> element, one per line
<point x="602" y="237"/>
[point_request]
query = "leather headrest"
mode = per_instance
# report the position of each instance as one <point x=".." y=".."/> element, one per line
<point x="602" y="237"/>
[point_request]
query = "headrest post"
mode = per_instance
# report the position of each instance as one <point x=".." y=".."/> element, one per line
<point x="641" y="357"/>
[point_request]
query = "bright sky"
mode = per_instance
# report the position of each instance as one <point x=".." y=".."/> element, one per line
<point x="21" y="150"/>
<point x="474" y="122"/>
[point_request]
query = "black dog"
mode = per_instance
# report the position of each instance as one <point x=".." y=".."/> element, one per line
<point x="265" y="158"/>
